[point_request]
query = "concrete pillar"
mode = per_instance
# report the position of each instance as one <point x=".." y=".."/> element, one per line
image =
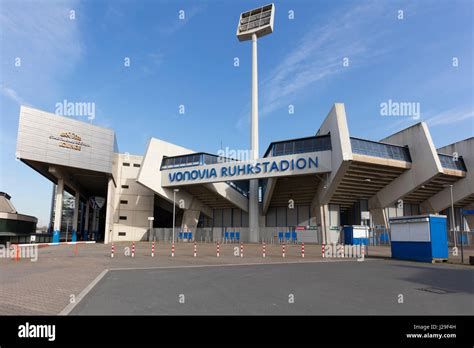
<point x="190" y="221"/>
<point x="425" y="165"/>
<point x="75" y="216"/>
<point x="86" y="222"/>
<point x="324" y="221"/>
<point x="58" y="211"/>
<point x="379" y="217"/>
<point x="253" y="212"/>
<point x="94" y="224"/>
<point x="470" y="221"/>
<point x="109" y="211"/>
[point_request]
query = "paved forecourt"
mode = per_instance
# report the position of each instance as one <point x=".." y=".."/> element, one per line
<point x="57" y="280"/>
<point x="62" y="272"/>
<point x="317" y="288"/>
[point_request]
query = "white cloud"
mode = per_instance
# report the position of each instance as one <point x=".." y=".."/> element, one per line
<point x="451" y="116"/>
<point x="319" y="55"/>
<point x="12" y="94"/>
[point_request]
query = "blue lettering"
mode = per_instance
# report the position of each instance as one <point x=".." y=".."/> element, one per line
<point x="224" y="171"/>
<point x="172" y="176"/>
<point x="315" y="162"/>
<point x="194" y="175"/>
<point x="274" y="167"/>
<point x="301" y="166"/>
<point x="213" y="172"/>
<point x="282" y="168"/>
<point x="265" y="165"/>
<point x="179" y="176"/>
<point x="241" y="169"/>
<point x="258" y="169"/>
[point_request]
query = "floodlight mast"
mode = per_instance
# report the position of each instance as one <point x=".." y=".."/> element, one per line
<point x="253" y="24"/>
<point x="253" y="184"/>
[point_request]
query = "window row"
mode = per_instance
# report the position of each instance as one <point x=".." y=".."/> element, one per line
<point x="301" y="146"/>
<point x="371" y="148"/>
<point x="451" y="162"/>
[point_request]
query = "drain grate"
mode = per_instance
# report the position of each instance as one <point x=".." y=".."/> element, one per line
<point x="438" y="291"/>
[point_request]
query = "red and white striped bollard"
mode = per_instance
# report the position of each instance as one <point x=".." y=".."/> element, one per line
<point x="195" y="249"/>
<point x="283" y="250"/>
<point x="153" y="249"/>
<point x="241" y="250"/>
<point x="172" y="249"/>
<point x="112" y="251"/>
<point x="323" y="249"/>
<point x="263" y="250"/>
<point x="218" y="249"/>
<point x="302" y="250"/>
<point x="133" y="249"/>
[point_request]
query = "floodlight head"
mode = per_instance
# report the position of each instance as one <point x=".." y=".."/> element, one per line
<point x="258" y="21"/>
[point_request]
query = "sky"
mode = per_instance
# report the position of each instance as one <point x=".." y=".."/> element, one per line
<point x="184" y="54"/>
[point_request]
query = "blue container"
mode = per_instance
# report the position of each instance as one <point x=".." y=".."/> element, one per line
<point x="419" y="238"/>
<point x="354" y="235"/>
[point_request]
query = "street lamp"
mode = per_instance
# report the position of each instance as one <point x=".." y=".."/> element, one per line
<point x="151" y="218"/>
<point x="253" y="24"/>
<point x="174" y="209"/>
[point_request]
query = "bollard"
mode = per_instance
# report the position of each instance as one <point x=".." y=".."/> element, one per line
<point x="195" y="250"/>
<point x="302" y="250"/>
<point x="363" y="250"/>
<point x="133" y="249"/>
<point x="283" y="250"/>
<point x="17" y="252"/>
<point x="218" y="249"/>
<point x="112" y="251"/>
<point x="172" y="249"/>
<point x="241" y="250"/>
<point x="263" y="250"/>
<point x="153" y="249"/>
<point x="322" y="249"/>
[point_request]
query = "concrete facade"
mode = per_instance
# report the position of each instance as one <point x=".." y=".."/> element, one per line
<point x="131" y="203"/>
<point x="403" y="174"/>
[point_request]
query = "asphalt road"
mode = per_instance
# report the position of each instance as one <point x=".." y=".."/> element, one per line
<point x="323" y="288"/>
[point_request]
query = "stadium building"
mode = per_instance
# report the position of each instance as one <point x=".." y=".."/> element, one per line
<point x="311" y="185"/>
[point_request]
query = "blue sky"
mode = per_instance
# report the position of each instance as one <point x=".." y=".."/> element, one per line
<point x="190" y="62"/>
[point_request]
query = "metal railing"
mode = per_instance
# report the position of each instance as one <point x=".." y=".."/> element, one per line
<point x="451" y="162"/>
<point x="377" y="149"/>
<point x="301" y="145"/>
<point x="192" y="160"/>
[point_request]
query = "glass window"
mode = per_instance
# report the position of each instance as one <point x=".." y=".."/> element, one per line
<point x="299" y="146"/>
<point x="278" y="149"/>
<point x="289" y="148"/>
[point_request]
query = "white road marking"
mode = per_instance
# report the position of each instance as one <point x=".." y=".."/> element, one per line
<point x="83" y="293"/>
